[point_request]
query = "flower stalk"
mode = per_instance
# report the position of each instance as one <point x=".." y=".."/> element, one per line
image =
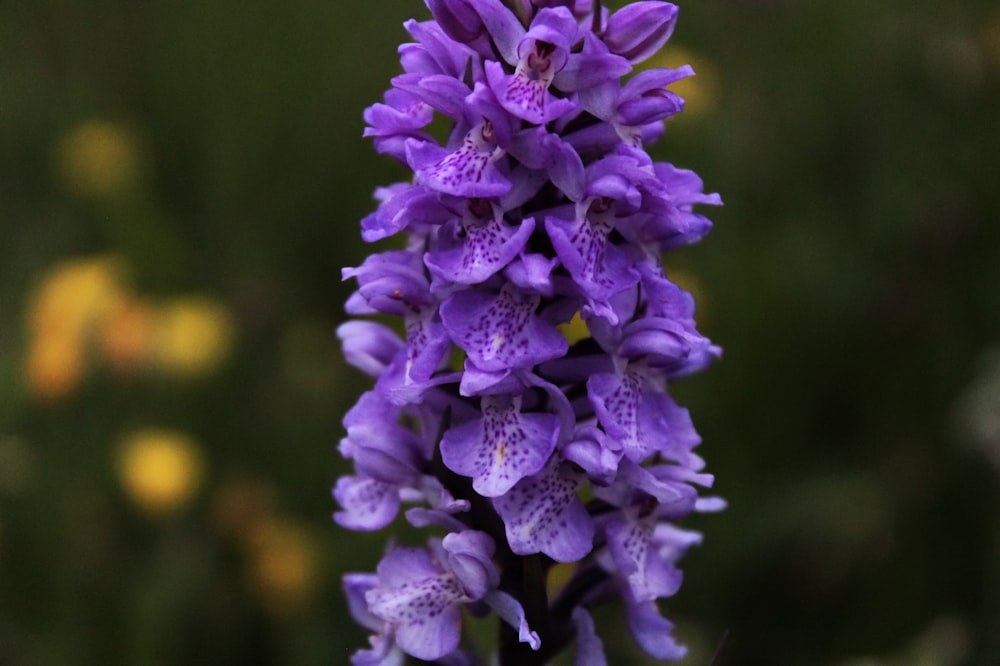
<point x="540" y="210"/>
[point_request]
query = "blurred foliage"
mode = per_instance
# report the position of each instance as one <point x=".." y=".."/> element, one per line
<point x="181" y="182"/>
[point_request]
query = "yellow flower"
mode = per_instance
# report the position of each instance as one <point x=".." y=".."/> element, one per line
<point x="159" y="469"/>
<point x="97" y="159"/>
<point x="62" y="315"/>
<point x="73" y="296"/>
<point x="284" y="566"/>
<point x="193" y="335"/>
<point x="126" y="334"/>
<point x="54" y="367"/>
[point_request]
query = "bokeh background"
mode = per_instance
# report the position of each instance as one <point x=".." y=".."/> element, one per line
<point x="181" y="182"/>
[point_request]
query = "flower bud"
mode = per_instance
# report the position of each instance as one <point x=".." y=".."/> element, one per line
<point x="637" y="31"/>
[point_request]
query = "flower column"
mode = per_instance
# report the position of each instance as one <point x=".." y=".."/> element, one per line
<point x="515" y="448"/>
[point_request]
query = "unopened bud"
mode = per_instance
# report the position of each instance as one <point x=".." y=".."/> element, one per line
<point x="637" y="31"/>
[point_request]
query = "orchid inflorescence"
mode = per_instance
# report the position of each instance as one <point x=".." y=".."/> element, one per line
<point x="540" y="211"/>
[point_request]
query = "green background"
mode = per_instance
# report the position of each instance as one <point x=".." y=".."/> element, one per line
<point x="852" y="278"/>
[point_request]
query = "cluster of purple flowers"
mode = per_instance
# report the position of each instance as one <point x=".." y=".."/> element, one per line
<point x="539" y="206"/>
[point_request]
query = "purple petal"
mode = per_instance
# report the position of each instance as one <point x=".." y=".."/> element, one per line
<point x="500" y="332"/>
<point x="368" y="346"/>
<point x="542" y="514"/>
<point x="653" y="631"/>
<point x="593" y="67"/>
<point x="482" y="382"/>
<point x="426" y="343"/>
<point x="472" y="250"/>
<point x="600" y="268"/>
<point x="526" y="96"/>
<point x="511" y="612"/>
<point x="355" y="587"/>
<point x="391" y="282"/>
<point x="368" y="504"/>
<point x="383" y="653"/>
<point x="448" y="56"/>
<point x="470" y="558"/>
<point x="469" y="171"/>
<point x="505" y="29"/>
<point x="589" y="649"/>
<point x="639" y="29"/>
<point x="532" y="273"/>
<point x="538" y="149"/>
<point x="649" y="575"/>
<point x="503" y="447"/>
<point x="594" y="451"/>
<point x="460" y="21"/>
<point x="616" y="400"/>
<point x="421" y="602"/>
<point x="439" y="91"/>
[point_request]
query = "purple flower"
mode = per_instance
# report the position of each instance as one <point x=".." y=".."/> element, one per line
<point x="472" y="249"/>
<point x="419" y="595"/>
<point x="528" y="335"/>
<point x="541" y="54"/>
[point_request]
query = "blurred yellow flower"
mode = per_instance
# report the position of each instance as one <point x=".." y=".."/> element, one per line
<point x="575" y="329"/>
<point x="159" y="469"/>
<point x="284" y="566"/>
<point x="192" y="335"/>
<point x="126" y="334"/>
<point x="61" y="318"/>
<point x="74" y="295"/>
<point x="54" y="366"/>
<point x="97" y="159"/>
<point x="698" y="91"/>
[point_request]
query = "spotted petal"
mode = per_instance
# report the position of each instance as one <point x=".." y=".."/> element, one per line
<point x="421" y="601"/>
<point x="599" y="267"/>
<point x="632" y="411"/>
<point x="502" y="447"/>
<point x="630" y="541"/>
<point x="472" y="250"/>
<point x="501" y="331"/>
<point x="542" y="514"/>
<point x="468" y="171"/>
<point x="368" y="504"/>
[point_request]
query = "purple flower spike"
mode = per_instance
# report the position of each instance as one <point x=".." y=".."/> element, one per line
<point x="528" y="336"/>
<point x="501" y="448"/>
